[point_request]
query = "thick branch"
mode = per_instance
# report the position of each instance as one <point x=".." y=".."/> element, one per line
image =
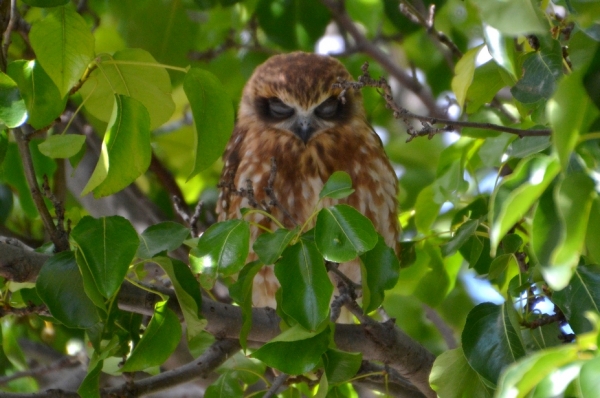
<point x="18" y="262"/>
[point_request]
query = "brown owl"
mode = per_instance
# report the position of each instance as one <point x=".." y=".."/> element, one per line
<point x="291" y="112"/>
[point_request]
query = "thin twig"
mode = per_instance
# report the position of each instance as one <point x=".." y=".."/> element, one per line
<point x="59" y="208"/>
<point x="62" y="363"/>
<point x="441" y="325"/>
<point x="277" y="383"/>
<point x="365" y="80"/>
<point x="7" y="30"/>
<point x="195" y="218"/>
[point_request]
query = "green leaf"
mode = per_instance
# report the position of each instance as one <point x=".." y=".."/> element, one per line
<point x="523" y="147"/>
<point x="462" y="234"/>
<point x="523" y="376"/>
<point x="107" y="245"/>
<point x="341" y="366"/>
<point x="269" y="246"/>
<point x="164" y="236"/>
<point x="433" y="285"/>
<point x="241" y="292"/>
<point x="502" y="50"/>
<point x="541" y="71"/>
<point x="487" y="81"/>
<point x="134" y="73"/>
<point x="46" y="3"/>
<point x="491" y="340"/>
<point x="305" y="347"/>
<point x="581" y="295"/>
<point x="62" y="146"/>
<point x="188" y="294"/>
<point x="379" y="272"/>
<point x="573" y="197"/>
<point x="463" y="74"/>
<point x="592" y="237"/>
<point x="512" y="17"/>
<point x="426" y="209"/>
<point x="42" y="98"/>
<point x="305" y="286"/>
<point x="338" y="186"/>
<point x="158" y="341"/>
<point x="90" y="386"/>
<point x="13" y="112"/>
<point x="227" y="385"/>
<point x="64" y="46"/>
<point x="60" y="286"/>
<point x="589" y="378"/>
<point x="342" y="233"/>
<point x="515" y="195"/>
<point x="452" y="376"/>
<point x="569" y="111"/>
<point x="213" y="116"/>
<point x="89" y="285"/>
<point x="222" y="249"/>
<point x="126" y="151"/>
<point x="501" y="264"/>
<point x="291" y="23"/>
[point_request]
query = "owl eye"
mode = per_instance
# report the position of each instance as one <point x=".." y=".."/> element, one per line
<point x="328" y="108"/>
<point x="279" y="110"/>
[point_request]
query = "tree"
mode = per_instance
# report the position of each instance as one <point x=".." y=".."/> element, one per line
<point x="101" y="102"/>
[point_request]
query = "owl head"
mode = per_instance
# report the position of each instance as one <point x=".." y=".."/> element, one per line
<point x="293" y="93"/>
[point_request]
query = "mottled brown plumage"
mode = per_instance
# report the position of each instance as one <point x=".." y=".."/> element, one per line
<point x="289" y="111"/>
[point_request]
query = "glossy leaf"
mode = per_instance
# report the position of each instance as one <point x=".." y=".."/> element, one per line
<point x="541" y="70"/>
<point x="305" y="286"/>
<point x="213" y="116"/>
<point x="341" y="366"/>
<point x="222" y="249"/>
<point x="518" y="192"/>
<point x="487" y="81"/>
<point x="158" y="341"/>
<point x="491" y="340"/>
<point x="126" y="151"/>
<point x="462" y="234"/>
<point x="342" y="233"/>
<point x="165" y="236"/>
<point x="64" y="46"/>
<point x="573" y="198"/>
<point x="581" y="294"/>
<point x="269" y="246"/>
<point x="305" y="347"/>
<point x="463" y="74"/>
<point x="379" y="272"/>
<point x="90" y="386"/>
<point x="134" y="73"/>
<point x="13" y="112"/>
<point x="502" y="50"/>
<point x="241" y="292"/>
<point x="107" y="245"/>
<point x="512" y="17"/>
<point x="42" y="98"/>
<point x="60" y="286"/>
<point x="452" y="376"/>
<point x="62" y="146"/>
<point x="338" y="186"/>
<point x="89" y="285"/>
<point x="570" y="111"/>
<point x="526" y="374"/>
<point x="188" y="294"/>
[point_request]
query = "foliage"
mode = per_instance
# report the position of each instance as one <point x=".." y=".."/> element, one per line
<point x="510" y="202"/>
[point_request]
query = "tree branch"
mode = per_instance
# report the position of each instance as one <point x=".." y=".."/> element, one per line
<point x="365" y="80"/>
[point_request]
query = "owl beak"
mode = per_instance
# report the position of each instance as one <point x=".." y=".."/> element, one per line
<point x="303" y="128"/>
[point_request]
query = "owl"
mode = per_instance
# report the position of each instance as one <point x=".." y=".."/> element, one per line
<point x="291" y="112"/>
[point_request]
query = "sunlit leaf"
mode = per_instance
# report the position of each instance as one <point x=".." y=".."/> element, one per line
<point x="126" y="150"/>
<point x="502" y="50"/>
<point x="426" y="209"/>
<point x="340" y="366"/>
<point x="589" y="378"/>
<point x="62" y="146"/>
<point x="13" y="112"/>
<point x="107" y="245"/>
<point x="213" y="116"/>
<point x="134" y="73"/>
<point x="342" y="233"/>
<point x="487" y="81"/>
<point x="165" y="236"/>
<point x="541" y="70"/>
<point x="158" y="341"/>
<point x="512" y="17"/>
<point x="338" y="186"/>
<point x="64" y="46"/>
<point x="462" y="234"/>
<point x="60" y="285"/>
<point x="452" y="376"/>
<point x="463" y="74"/>
<point x="222" y="249"/>
<point x="305" y="347"/>
<point x="491" y="339"/>
<point x="227" y="385"/>
<point x="42" y="98"/>
<point x="305" y="286"/>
